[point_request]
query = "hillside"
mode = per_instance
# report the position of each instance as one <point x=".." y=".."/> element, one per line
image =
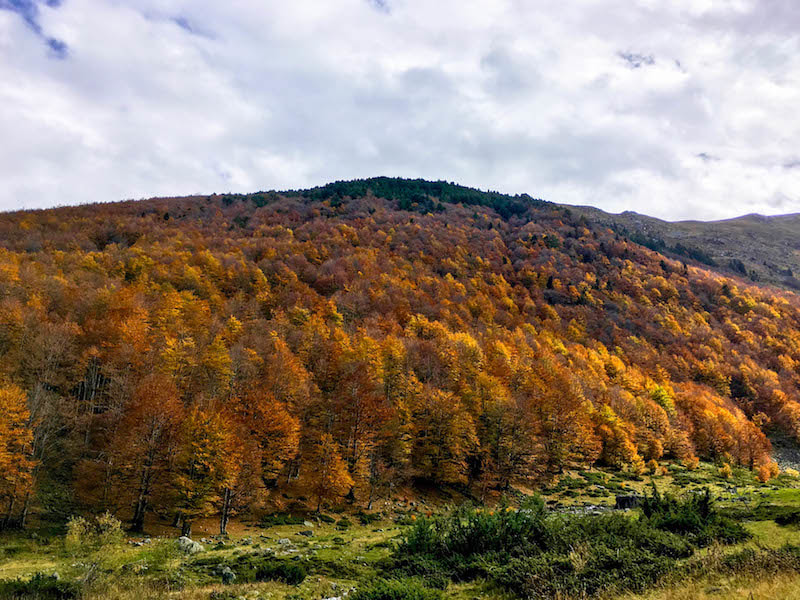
<point x="185" y="357"/>
<point x="764" y="249"/>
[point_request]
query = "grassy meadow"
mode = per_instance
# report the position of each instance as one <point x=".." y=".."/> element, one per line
<point x="565" y="543"/>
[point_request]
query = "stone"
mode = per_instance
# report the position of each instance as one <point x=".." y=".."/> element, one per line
<point x="629" y="501"/>
<point x="284" y="541"/>
<point x="227" y="575"/>
<point x="307" y="533"/>
<point x="189" y="546"/>
<point x="308" y="524"/>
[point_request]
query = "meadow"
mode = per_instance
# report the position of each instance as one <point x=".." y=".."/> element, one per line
<point x="700" y="533"/>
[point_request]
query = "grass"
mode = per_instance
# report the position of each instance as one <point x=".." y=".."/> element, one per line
<point x="341" y="558"/>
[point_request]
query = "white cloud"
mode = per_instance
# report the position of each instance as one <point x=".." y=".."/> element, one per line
<point x="684" y="109"/>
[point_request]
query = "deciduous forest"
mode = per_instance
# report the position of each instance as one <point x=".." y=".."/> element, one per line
<point x="181" y="358"/>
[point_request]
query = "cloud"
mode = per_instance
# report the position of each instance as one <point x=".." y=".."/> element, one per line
<point x="681" y="110"/>
<point x="636" y="61"/>
<point x="28" y="10"/>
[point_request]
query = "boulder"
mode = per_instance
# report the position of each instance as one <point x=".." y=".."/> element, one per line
<point x="628" y="501"/>
<point x="227" y="575"/>
<point x="188" y="545"/>
<point x="306" y="533"/>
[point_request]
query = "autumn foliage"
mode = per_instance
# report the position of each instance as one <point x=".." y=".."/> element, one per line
<point x="195" y="356"/>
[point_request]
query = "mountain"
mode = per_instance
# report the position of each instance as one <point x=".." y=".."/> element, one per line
<point x="182" y="357"/>
<point x="762" y="249"/>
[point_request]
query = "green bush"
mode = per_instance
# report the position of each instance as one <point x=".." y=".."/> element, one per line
<point x="281" y="570"/>
<point x="367" y="518"/>
<point x="693" y="517"/>
<point x="254" y="567"/>
<point x="396" y="589"/>
<point x="536" y="554"/>
<point x="280" y="519"/>
<point x="39" y="587"/>
<point x="86" y="535"/>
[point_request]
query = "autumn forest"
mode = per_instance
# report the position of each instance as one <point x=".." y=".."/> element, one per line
<point x="185" y="358"/>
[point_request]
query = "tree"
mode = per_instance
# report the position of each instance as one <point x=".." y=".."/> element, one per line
<point x="146" y="441"/>
<point x="16" y="439"/>
<point x="443" y="438"/>
<point x="205" y="464"/>
<point x="325" y="472"/>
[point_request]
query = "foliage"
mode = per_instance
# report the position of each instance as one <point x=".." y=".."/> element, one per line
<point x="396" y="589"/>
<point x="207" y="355"/>
<point x="89" y="534"/>
<point x="533" y="553"/>
<point x="39" y="587"/>
<point x="693" y="517"/>
<point x="256" y="567"/>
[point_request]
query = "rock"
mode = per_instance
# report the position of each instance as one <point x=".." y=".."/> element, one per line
<point x="56" y="576"/>
<point x="308" y="524"/>
<point x="629" y="501"/>
<point x="227" y="575"/>
<point x="284" y="541"/>
<point x="189" y="546"/>
<point x="307" y="533"/>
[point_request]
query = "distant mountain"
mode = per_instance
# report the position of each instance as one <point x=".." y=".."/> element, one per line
<point x="762" y="249"/>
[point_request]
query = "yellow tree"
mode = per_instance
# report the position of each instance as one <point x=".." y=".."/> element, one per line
<point x="206" y="463"/>
<point x="325" y="472"/>
<point x="16" y="438"/>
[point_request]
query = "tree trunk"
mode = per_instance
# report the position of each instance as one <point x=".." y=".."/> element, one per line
<point x="225" y="514"/>
<point x="10" y="513"/>
<point x="137" y="523"/>
<point x="186" y="529"/>
<point x="176" y="522"/>
<point x="23" y="517"/>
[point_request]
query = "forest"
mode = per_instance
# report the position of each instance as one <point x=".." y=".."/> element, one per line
<point x="215" y="356"/>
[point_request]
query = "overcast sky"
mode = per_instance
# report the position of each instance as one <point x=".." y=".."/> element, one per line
<point x="678" y="109"/>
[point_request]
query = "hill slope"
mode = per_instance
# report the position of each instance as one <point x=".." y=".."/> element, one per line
<point x="763" y="249"/>
<point x="211" y="354"/>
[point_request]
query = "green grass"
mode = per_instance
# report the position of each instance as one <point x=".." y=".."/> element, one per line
<point x="341" y="558"/>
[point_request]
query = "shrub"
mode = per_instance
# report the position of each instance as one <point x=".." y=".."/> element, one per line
<point x="343" y="523"/>
<point x="281" y="570"/>
<point x="254" y="567"/>
<point x="397" y="589"/>
<point x="791" y="473"/>
<point x="788" y="518"/>
<point x="764" y="474"/>
<point x="725" y="471"/>
<point x="84" y="535"/>
<point x="280" y="519"/>
<point x="536" y="554"/>
<point x="40" y="587"/>
<point x="693" y="517"/>
<point x="367" y="518"/>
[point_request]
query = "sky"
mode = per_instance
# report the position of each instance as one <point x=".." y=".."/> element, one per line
<point x="680" y="109"/>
